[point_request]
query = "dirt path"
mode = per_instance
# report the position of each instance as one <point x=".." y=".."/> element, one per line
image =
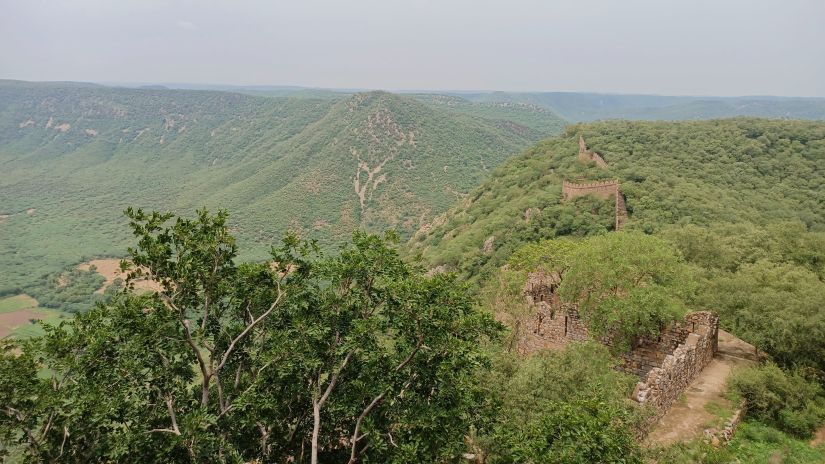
<point x="819" y="437"/>
<point x="688" y="418"/>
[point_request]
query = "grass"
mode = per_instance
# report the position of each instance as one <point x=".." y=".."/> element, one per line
<point x="16" y="303"/>
<point x="753" y="442"/>
<point x="35" y="330"/>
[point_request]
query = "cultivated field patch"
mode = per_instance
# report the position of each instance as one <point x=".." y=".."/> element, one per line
<point x="13" y="320"/>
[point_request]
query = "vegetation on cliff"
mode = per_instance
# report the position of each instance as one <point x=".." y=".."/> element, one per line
<point x="738" y="204"/>
<point x="732" y="171"/>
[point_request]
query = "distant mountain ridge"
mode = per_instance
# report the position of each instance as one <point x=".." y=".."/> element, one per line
<point x="579" y="107"/>
<point x="77" y="155"/>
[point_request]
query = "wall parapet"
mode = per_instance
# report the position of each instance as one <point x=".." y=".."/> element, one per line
<point x="586" y="155"/>
<point x="589" y="185"/>
<point x="662" y="385"/>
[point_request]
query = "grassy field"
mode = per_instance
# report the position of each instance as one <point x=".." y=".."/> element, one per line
<point x="16" y="303"/>
<point x="18" y="312"/>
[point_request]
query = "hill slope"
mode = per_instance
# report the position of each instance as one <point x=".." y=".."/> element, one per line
<point x="73" y="156"/>
<point x="735" y="170"/>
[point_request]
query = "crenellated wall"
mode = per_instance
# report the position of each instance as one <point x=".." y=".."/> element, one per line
<point x="602" y="189"/>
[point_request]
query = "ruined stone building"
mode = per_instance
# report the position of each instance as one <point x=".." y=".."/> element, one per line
<point x="665" y="365"/>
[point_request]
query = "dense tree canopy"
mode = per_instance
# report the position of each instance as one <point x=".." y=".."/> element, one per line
<point x="554" y="408"/>
<point x="356" y="357"/>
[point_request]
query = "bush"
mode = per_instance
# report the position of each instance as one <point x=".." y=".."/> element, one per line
<point x="562" y="407"/>
<point x="785" y="400"/>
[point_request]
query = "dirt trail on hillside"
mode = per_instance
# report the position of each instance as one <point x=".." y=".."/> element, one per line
<point x="819" y="437"/>
<point x="687" y="419"/>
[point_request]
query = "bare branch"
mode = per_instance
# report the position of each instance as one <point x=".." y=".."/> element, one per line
<point x="334" y="380"/>
<point x="63" y="443"/>
<point x="171" y="407"/>
<point x="249" y="327"/>
<point x="355" y="434"/>
<point x="318" y="403"/>
<point x="377" y="400"/>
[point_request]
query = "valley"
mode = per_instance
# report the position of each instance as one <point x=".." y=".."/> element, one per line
<point x="320" y="167"/>
<point x="531" y="241"/>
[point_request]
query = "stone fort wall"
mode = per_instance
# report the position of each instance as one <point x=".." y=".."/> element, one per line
<point x="662" y="385"/>
<point x="665" y="365"/>
<point x="587" y="155"/>
<point x="602" y="189"/>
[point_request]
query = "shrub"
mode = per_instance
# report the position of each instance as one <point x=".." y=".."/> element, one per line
<point x="785" y="400"/>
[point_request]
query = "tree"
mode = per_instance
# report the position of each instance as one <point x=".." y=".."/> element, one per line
<point x="353" y="357"/>
<point x="553" y="407"/>
<point x="626" y="285"/>
<point x="776" y="307"/>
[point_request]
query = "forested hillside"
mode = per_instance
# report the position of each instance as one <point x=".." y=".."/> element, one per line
<point x="74" y="156"/>
<point x="726" y="216"/>
<point x="736" y="170"/>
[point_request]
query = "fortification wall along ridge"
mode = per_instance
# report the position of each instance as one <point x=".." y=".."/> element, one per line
<point x="662" y="385"/>
<point x="588" y="155"/>
<point x="602" y="189"/>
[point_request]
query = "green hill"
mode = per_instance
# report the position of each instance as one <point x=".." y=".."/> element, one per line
<point x="734" y="170"/>
<point x="73" y="156"/>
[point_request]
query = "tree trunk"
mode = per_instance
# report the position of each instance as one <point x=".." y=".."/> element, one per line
<point x="316" y="428"/>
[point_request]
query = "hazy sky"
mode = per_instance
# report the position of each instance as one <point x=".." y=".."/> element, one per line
<point x="697" y="47"/>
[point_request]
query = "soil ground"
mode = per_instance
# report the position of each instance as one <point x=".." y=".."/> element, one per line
<point x="110" y="270"/>
<point x="11" y="320"/>
<point x="689" y="417"/>
<point x="819" y="437"/>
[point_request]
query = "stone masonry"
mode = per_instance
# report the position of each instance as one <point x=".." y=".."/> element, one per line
<point x="602" y="189"/>
<point x="663" y="384"/>
<point x="665" y="365"/>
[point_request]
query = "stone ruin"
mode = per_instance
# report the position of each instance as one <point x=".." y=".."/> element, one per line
<point x="587" y="156"/>
<point x="665" y="365"/>
<point x="602" y="189"/>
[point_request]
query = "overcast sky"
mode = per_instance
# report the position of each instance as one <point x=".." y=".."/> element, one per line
<point x="690" y="47"/>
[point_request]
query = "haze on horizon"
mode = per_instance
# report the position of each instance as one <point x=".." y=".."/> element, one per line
<point x="703" y="47"/>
